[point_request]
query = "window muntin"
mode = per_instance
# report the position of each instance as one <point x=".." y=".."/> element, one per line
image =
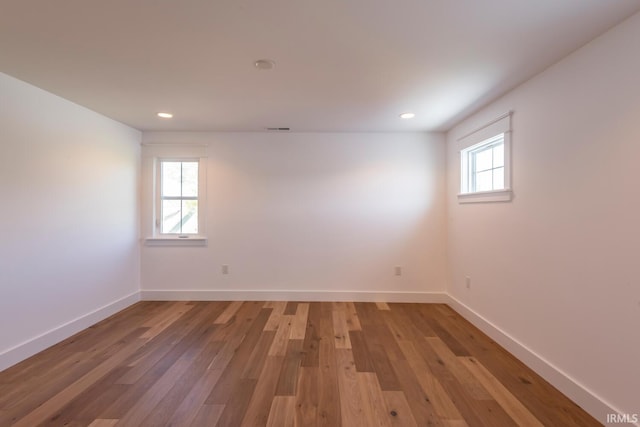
<point x="178" y="197"/>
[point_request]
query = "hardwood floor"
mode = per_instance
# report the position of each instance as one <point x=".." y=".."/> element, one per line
<point x="281" y="364"/>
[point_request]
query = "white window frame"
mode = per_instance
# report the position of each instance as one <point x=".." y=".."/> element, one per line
<point x="152" y="155"/>
<point x="159" y="198"/>
<point x="471" y="143"/>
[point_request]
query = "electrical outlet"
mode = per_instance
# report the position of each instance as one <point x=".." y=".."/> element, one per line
<point x="467" y="282"/>
<point x="398" y="270"/>
<point x="225" y="269"/>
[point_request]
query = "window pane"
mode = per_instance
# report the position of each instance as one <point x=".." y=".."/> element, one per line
<point x="483" y="160"/>
<point x="190" y="179"/>
<point x="498" y="156"/>
<point x="171" y="215"/>
<point x="171" y="178"/>
<point x="189" y="216"/>
<point x="484" y="181"/>
<point x="498" y="179"/>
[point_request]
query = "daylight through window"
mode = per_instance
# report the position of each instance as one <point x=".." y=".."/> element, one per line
<point x="486" y="165"/>
<point x="179" y="197"/>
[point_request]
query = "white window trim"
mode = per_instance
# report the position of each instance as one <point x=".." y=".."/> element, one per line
<point x="500" y="125"/>
<point x="158" y="199"/>
<point x="157" y="153"/>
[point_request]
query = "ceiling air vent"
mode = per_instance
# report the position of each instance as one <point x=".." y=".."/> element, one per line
<point x="278" y="129"/>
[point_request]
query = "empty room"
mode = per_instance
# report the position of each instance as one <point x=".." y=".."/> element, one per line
<point x="319" y="213"/>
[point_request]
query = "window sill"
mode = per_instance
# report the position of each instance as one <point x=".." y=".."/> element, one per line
<point x="176" y="241"/>
<point x="486" y="196"/>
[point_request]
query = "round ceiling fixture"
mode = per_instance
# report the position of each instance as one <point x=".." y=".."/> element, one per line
<point x="165" y="115"/>
<point x="407" y="115"/>
<point x="264" y="64"/>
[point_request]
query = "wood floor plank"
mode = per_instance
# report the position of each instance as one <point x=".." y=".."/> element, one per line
<point x="471" y="384"/>
<point x="299" y="323"/>
<point x="85" y="408"/>
<point x="382" y="306"/>
<point x="375" y="407"/>
<point x="148" y="401"/>
<point x="237" y="402"/>
<point x="412" y="312"/>
<point x="103" y="423"/>
<point x="161" y="323"/>
<point x="352" y="411"/>
<point x="306" y="403"/>
<point x="399" y="410"/>
<point x="288" y="379"/>
<point x="351" y="315"/>
<point x="257" y="412"/>
<point x="550" y="406"/>
<point x="360" y="350"/>
<point x="207" y="416"/>
<point x="278" y="308"/>
<point x="41" y="384"/>
<point x="281" y="339"/>
<point x="169" y="404"/>
<point x="328" y="390"/>
<point x="229" y="312"/>
<point x="282" y="412"/>
<point x="341" y="330"/>
<point x="511" y="405"/>
<point x="65" y="396"/>
<point x="444" y="407"/>
<point x="420" y="404"/>
<point x="258" y="356"/>
<point x="250" y="329"/>
<point x="286" y="363"/>
<point x="15" y="403"/>
<point x="311" y="346"/>
<point x="154" y="384"/>
<point x="187" y="411"/>
<point x="291" y="308"/>
<point x="434" y="321"/>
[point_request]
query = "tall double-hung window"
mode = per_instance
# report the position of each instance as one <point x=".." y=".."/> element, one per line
<point x="178" y="197"/>
<point x="174" y="194"/>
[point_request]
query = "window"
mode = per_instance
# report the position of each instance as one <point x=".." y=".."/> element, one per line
<point x="485" y="163"/>
<point x="178" y="197"/>
<point x="174" y="194"/>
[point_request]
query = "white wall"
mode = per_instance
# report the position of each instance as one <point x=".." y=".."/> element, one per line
<point x="557" y="268"/>
<point x="303" y="212"/>
<point x="68" y="218"/>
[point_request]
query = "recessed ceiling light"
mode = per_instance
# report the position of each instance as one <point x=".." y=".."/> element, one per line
<point x="264" y="64"/>
<point x="165" y="115"/>
<point x="407" y="115"/>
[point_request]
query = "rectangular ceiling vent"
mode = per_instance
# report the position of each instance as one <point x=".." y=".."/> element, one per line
<point x="279" y="129"/>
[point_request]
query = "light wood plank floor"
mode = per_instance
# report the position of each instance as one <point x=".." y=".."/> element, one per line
<point x="281" y="364"/>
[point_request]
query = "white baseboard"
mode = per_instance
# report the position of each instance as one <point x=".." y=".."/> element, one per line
<point x="28" y="348"/>
<point x="288" y="295"/>
<point x="586" y="399"/>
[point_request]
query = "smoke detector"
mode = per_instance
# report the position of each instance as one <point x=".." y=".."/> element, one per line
<point x="264" y="64"/>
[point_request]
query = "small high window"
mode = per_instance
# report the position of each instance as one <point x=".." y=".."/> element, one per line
<point x="485" y="167"/>
<point x="485" y="163"/>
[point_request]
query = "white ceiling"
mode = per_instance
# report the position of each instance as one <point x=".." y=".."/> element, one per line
<point x="341" y="65"/>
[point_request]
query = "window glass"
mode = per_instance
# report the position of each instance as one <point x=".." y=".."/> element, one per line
<point x="179" y="197"/>
<point x="484" y="163"/>
<point x="484" y="159"/>
<point x="171" y="179"/>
